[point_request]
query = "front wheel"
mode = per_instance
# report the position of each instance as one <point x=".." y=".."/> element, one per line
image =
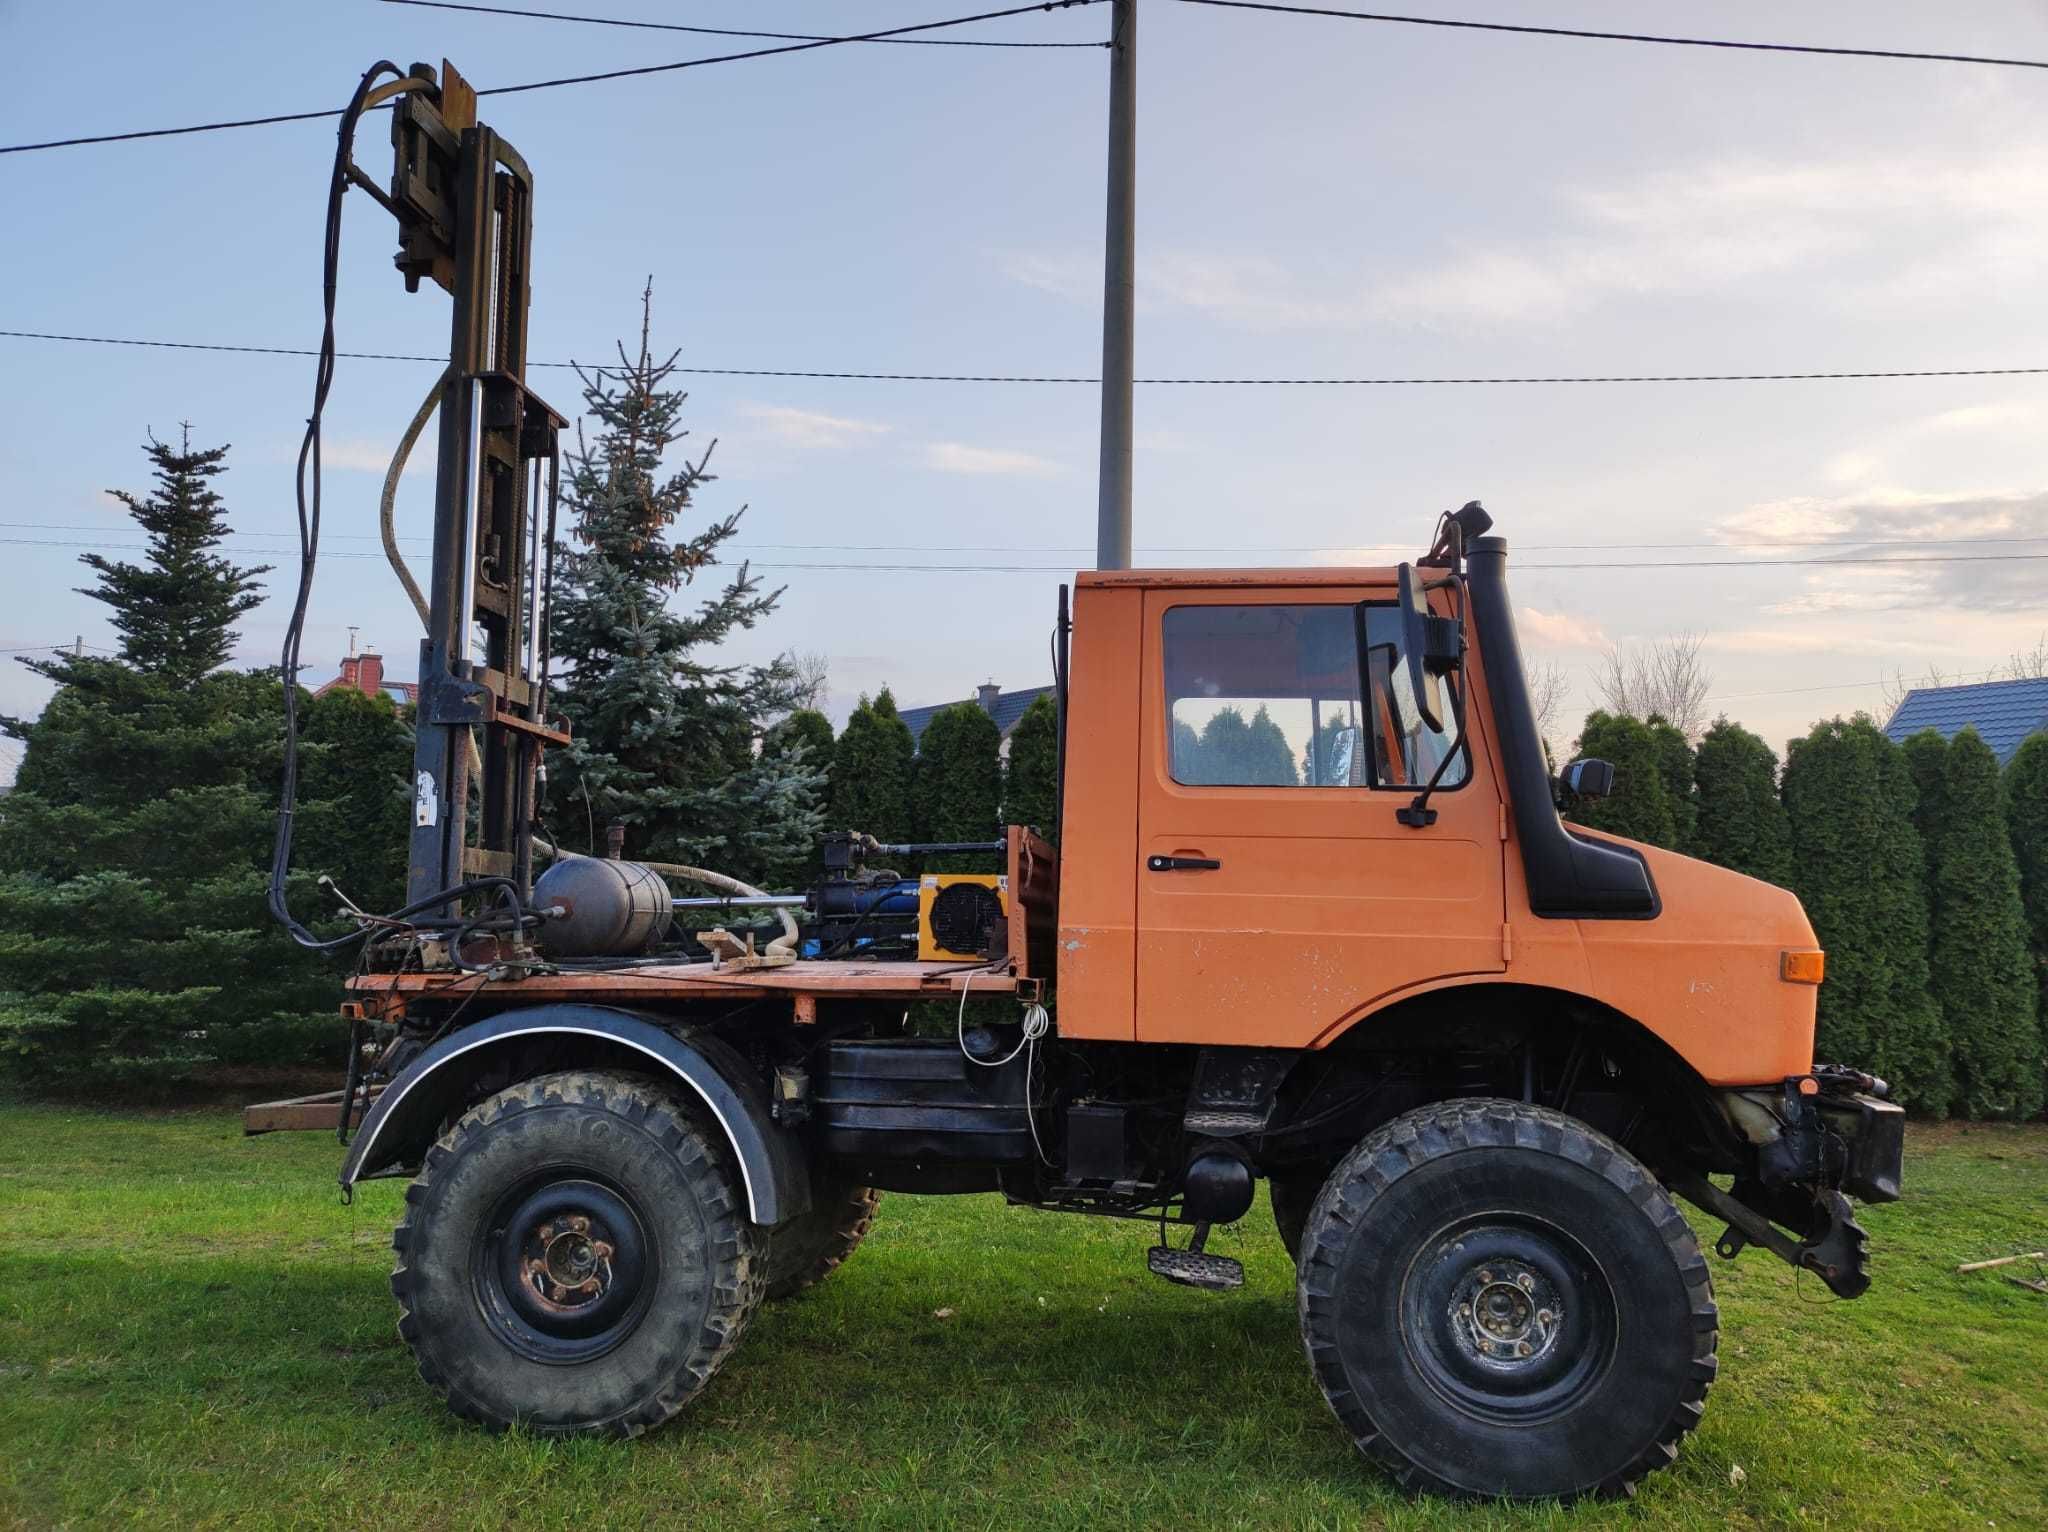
<point x="1498" y="1300"/>
<point x="576" y="1257"/>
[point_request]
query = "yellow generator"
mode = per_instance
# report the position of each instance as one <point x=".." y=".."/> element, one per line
<point x="961" y="916"/>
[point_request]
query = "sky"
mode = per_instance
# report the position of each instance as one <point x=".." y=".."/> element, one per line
<point x="1317" y="198"/>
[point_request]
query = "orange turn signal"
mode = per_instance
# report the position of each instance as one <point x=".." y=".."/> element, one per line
<point x="1802" y="967"/>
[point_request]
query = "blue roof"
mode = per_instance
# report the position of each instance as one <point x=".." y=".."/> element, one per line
<point x="1009" y="708"/>
<point x="2003" y="712"/>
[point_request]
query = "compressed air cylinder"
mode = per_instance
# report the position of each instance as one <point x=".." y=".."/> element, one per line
<point x="610" y="909"/>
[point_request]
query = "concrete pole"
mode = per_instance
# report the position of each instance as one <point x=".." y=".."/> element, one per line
<point x="1119" y="292"/>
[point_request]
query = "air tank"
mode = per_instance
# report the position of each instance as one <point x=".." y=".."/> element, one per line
<point x="609" y="909"/>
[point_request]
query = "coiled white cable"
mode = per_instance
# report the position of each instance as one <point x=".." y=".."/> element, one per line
<point x="1036" y="1024"/>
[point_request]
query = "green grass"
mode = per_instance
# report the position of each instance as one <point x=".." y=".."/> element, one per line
<point x="194" y="1332"/>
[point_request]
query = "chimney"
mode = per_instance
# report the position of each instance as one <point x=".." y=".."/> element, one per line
<point x="986" y="694"/>
<point x="350" y="666"/>
<point x="369" y="676"/>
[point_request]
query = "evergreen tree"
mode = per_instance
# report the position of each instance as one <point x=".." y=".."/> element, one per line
<point x="1927" y="760"/>
<point x="135" y="945"/>
<point x="1031" y="776"/>
<point x="1982" y="976"/>
<point x="959" y="783"/>
<point x="1675" y="766"/>
<point x="355" y="778"/>
<point x="1235" y="751"/>
<point x="177" y="610"/>
<point x="1640" y="806"/>
<point x="871" y="771"/>
<point x="806" y="729"/>
<point x="664" y="733"/>
<point x="803" y="738"/>
<point x="1741" y="821"/>
<point x="1857" y="867"/>
<point x="2026" y="809"/>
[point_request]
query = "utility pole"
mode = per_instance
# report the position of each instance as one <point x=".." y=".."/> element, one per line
<point x="1119" y="292"/>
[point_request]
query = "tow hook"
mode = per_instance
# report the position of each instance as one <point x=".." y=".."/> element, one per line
<point x="1833" y="1246"/>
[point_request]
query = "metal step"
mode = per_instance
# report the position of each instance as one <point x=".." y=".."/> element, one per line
<point x="1195" y="1268"/>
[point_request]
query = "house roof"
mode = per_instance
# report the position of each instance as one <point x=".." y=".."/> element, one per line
<point x="1008" y="710"/>
<point x="2003" y="712"/>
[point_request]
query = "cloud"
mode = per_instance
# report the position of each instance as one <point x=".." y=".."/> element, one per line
<point x="361" y="455"/>
<point x="1561" y="630"/>
<point x="1988" y="546"/>
<point x="1866" y="233"/>
<point x="957" y="457"/>
<point x="808" y="429"/>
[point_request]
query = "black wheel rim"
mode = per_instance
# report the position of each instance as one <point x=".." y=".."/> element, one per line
<point x="1508" y="1318"/>
<point x="563" y="1268"/>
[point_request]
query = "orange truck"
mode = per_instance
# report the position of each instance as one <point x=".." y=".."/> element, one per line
<point x="1314" y="920"/>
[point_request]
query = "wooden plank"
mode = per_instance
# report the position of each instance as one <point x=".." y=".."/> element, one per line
<point x="816" y="979"/>
<point x="300" y="1114"/>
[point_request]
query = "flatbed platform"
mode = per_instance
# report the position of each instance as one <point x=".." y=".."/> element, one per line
<point x="805" y="982"/>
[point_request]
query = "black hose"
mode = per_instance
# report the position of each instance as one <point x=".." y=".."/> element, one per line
<point x="309" y="522"/>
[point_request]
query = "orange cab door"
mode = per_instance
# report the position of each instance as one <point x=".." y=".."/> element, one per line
<point x="1277" y="893"/>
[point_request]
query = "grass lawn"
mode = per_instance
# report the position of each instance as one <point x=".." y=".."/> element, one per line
<point x="194" y="1332"/>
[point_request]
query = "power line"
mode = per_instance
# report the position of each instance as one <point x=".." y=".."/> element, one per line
<point x="1414" y="381"/>
<point x="1793" y="691"/>
<point x="1173" y="548"/>
<point x="1622" y="37"/>
<point x="576" y="79"/>
<point x="671" y="26"/>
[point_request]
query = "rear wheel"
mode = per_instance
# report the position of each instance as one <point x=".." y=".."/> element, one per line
<point x="576" y="1257"/>
<point x="1498" y="1300"/>
<point x="810" y="1247"/>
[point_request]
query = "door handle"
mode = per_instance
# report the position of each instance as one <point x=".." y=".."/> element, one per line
<point x="1181" y="864"/>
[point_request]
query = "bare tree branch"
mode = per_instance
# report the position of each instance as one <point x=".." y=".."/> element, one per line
<point x="813" y="676"/>
<point x="1668" y="678"/>
<point x="1549" y="685"/>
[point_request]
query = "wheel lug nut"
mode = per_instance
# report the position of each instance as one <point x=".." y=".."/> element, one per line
<point x="1528" y="1283"/>
<point x="1522" y="1349"/>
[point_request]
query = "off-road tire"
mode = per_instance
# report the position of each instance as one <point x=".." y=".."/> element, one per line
<point x="627" y="1153"/>
<point x="1436" y="1218"/>
<point x="805" y="1250"/>
<point x="1293" y="1193"/>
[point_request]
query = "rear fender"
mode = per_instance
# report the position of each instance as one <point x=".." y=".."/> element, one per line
<point x="407" y="1117"/>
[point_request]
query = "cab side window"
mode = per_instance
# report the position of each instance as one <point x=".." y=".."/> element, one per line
<point x="1268" y="696"/>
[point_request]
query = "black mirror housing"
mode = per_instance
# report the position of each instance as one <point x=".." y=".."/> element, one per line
<point x="1588" y="778"/>
<point x="1420" y="634"/>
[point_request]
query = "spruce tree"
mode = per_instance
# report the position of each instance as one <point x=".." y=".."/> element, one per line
<point x="871" y="771"/>
<point x="1741" y="821"/>
<point x="1675" y="766"/>
<point x="664" y="732"/>
<point x="1981" y="972"/>
<point x="959" y="783"/>
<point x="807" y="730"/>
<point x="1640" y="806"/>
<point x="135" y="945"/>
<point x="2026" y="810"/>
<point x="1857" y="868"/>
<point x="1031" y="776"/>
<point x="177" y="610"/>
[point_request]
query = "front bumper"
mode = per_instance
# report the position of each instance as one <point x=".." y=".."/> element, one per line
<point x="1816" y="1140"/>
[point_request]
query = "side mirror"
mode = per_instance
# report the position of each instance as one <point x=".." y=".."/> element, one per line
<point x="1430" y="646"/>
<point x="1588" y="779"/>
